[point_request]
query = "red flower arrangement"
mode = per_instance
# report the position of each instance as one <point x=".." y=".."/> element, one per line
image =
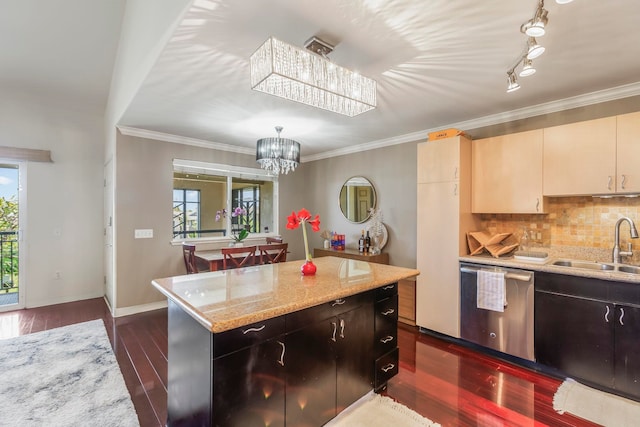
<point x="294" y="221"/>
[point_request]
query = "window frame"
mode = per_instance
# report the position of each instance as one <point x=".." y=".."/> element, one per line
<point x="230" y="172"/>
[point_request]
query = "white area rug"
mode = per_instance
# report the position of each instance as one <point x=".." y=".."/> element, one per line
<point x="374" y="410"/>
<point x="66" y="376"/>
<point x="596" y="406"/>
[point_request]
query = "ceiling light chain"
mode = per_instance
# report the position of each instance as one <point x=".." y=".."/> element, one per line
<point x="535" y="27"/>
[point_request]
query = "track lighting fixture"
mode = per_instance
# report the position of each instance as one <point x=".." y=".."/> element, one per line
<point x="535" y="27"/>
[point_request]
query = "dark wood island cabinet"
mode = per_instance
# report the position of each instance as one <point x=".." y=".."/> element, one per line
<point x="264" y="346"/>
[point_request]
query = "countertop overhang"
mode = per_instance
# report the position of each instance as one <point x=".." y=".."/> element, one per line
<point x="224" y="300"/>
<point x="511" y="262"/>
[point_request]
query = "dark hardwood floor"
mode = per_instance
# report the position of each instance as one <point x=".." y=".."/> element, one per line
<point x="448" y="383"/>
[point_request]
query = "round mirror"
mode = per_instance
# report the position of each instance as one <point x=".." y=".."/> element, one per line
<point x="357" y="197"/>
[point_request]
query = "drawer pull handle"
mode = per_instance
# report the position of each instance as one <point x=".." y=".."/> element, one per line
<point x="335" y="329"/>
<point x="388" y="312"/>
<point x="606" y="315"/>
<point x="388" y="367"/>
<point x="388" y="287"/>
<point x="338" y="302"/>
<point x="281" y="361"/>
<point x="341" y="328"/>
<point x="246" y="331"/>
<point x="386" y="339"/>
<point x="621" y="316"/>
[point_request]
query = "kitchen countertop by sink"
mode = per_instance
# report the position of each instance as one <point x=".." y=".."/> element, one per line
<point x="548" y="266"/>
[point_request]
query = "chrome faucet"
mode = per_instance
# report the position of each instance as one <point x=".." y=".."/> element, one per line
<point x="617" y="253"/>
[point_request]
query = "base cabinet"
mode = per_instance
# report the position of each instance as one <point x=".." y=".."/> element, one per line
<point x="300" y="369"/>
<point x="588" y="329"/>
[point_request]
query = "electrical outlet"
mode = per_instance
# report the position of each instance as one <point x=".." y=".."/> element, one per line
<point x="143" y="233"/>
<point x="57" y="275"/>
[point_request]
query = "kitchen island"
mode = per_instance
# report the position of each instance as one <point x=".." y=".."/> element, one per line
<point x="265" y="346"/>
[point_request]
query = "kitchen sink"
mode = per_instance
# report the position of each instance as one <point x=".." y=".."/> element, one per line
<point x="628" y="269"/>
<point x="585" y="264"/>
<point x="593" y="265"/>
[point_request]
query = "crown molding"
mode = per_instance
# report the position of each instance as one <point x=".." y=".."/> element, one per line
<point x="591" y="98"/>
<point x="177" y="139"/>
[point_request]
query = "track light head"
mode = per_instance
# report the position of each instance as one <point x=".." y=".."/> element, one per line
<point x="535" y="27"/>
<point x="513" y="82"/>
<point x="533" y="48"/>
<point x="527" y="68"/>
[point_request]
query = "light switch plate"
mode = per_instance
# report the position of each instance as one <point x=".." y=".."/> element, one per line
<point x="146" y="233"/>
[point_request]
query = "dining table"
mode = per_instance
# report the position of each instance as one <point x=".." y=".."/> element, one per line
<point x="214" y="258"/>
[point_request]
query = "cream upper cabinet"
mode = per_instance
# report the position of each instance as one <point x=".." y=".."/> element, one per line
<point x="580" y="158"/>
<point x="628" y="153"/>
<point x="507" y="174"/>
<point x="439" y="161"/>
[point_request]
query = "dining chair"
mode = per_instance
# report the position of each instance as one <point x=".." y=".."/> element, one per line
<point x="238" y="257"/>
<point x="189" y="254"/>
<point x="270" y="254"/>
<point x="273" y="240"/>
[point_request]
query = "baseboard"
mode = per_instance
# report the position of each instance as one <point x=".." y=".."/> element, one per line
<point x="127" y="311"/>
<point x="64" y="300"/>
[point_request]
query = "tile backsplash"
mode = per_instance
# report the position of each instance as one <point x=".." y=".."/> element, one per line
<point x="575" y="222"/>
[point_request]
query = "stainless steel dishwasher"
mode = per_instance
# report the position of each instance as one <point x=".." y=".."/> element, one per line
<point x="510" y="331"/>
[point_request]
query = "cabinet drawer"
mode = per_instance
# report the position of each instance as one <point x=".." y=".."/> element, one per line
<point x="300" y="319"/>
<point x="386" y="367"/>
<point x="386" y="313"/>
<point x="386" y="340"/>
<point x="386" y="291"/>
<point x="246" y="336"/>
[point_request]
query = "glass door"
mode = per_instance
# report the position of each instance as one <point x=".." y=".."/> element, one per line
<point x="9" y="238"/>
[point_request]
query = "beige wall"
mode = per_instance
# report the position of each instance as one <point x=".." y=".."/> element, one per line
<point x="392" y="171"/>
<point x="144" y="183"/>
<point x="143" y="199"/>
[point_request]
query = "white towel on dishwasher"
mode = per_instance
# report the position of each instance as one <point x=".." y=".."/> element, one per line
<point x="492" y="292"/>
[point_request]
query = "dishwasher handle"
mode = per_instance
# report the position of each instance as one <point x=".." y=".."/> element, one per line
<point x="520" y="276"/>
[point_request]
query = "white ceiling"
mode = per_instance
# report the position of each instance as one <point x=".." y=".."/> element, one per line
<point x="438" y="63"/>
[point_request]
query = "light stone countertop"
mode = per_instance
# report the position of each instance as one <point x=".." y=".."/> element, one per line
<point x="547" y="266"/>
<point x="228" y="299"/>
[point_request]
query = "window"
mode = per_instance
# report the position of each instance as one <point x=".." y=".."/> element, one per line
<point x="205" y="192"/>
<point x="186" y="212"/>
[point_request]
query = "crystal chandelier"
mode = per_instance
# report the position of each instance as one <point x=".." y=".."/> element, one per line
<point x="278" y="155"/>
<point x="307" y="76"/>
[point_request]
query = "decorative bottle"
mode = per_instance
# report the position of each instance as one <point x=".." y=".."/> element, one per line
<point x="367" y="243"/>
<point x="361" y="243"/>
